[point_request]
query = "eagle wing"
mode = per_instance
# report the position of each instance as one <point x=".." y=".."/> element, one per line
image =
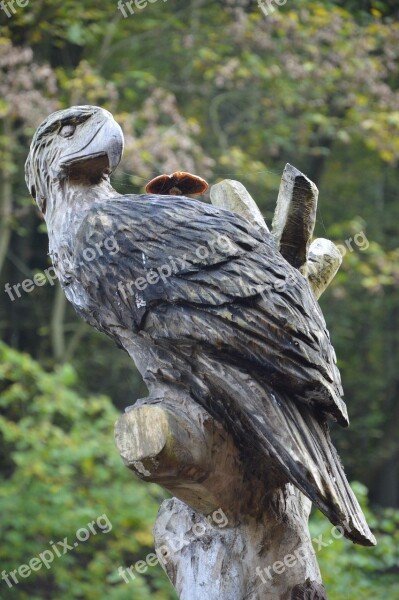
<point x="179" y="252"/>
<point x="202" y="283"/>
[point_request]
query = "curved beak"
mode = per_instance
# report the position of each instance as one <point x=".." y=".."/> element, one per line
<point x="98" y="148"/>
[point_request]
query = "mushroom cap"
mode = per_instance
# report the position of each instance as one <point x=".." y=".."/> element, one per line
<point x="179" y="183"/>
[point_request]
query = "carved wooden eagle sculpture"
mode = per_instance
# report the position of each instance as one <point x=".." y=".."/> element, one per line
<point x="197" y="296"/>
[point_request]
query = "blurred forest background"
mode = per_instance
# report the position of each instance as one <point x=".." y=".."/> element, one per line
<point x="221" y="89"/>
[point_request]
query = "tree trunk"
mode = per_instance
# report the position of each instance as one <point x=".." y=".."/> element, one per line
<point x="228" y="536"/>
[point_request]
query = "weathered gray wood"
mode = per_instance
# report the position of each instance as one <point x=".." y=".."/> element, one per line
<point x="323" y="262"/>
<point x="229" y="534"/>
<point x="175" y="445"/>
<point x="293" y="222"/>
<point x="232" y="195"/>
<point x="295" y="216"/>
<point x="241" y="562"/>
<point x="225" y="329"/>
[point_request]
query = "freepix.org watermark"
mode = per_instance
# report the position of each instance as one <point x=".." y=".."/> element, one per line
<point x="58" y="549"/>
<point x="359" y="240"/>
<point x="164" y="552"/>
<point x="171" y="267"/>
<point x="132" y="6"/>
<point x="300" y="555"/>
<point x="269" y="6"/>
<point x="108" y="245"/>
<point x="9" y="7"/>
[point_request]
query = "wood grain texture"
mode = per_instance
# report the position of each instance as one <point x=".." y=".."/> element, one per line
<point x="232" y="195"/>
<point x="311" y="590"/>
<point x="323" y="262"/>
<point x="295" y="216"/>
<point x="221" y="319"/>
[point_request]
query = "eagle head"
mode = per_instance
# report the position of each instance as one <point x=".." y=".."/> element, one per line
<point x="80" y="145"/>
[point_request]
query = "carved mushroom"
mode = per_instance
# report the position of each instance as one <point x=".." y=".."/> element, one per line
<point x="179" y="183"/>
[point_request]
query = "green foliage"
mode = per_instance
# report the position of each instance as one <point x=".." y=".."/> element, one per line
<point x="353" y="572"/>
<point x="61" y="471"/>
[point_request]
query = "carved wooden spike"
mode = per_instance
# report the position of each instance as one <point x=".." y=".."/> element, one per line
<point x="232" y="195"/>
<point x="323" y="258"/>
<point x="295" y="216"/>
<point x="323" y="263"/>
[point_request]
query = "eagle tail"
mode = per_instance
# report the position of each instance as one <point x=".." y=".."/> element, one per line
<point x="311" y="462"/>
<point x="294" y="436"/>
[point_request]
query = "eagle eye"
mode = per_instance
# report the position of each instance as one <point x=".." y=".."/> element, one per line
<point x="67" y="131"/>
